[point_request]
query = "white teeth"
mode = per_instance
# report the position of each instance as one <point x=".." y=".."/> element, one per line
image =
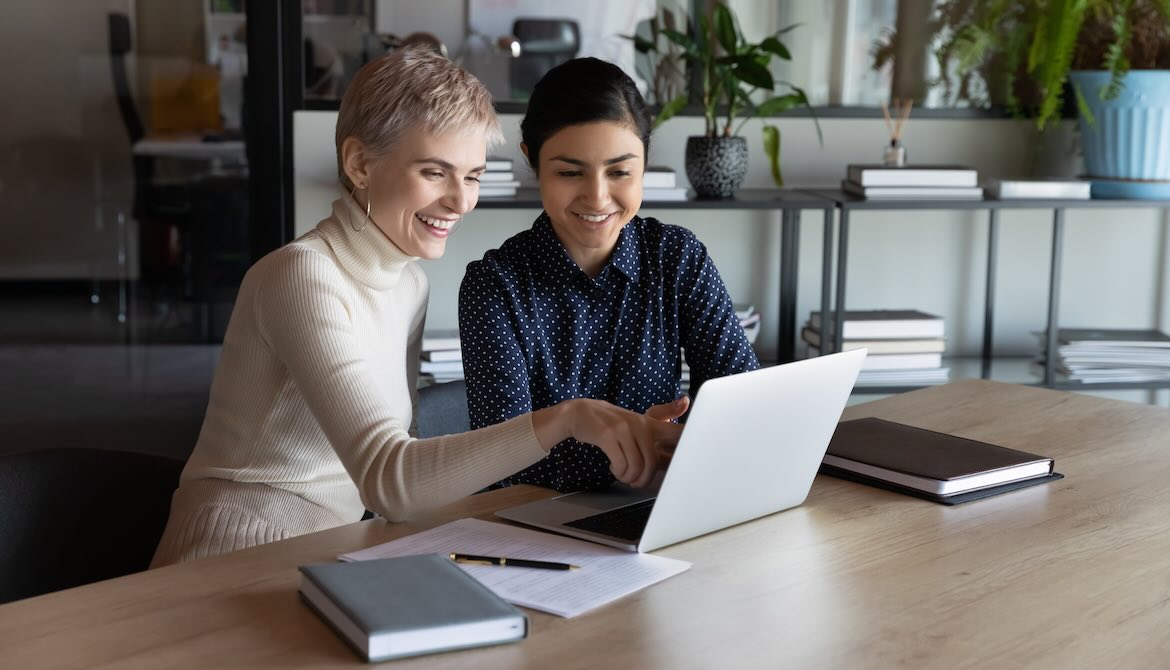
<point x="441" y="224"/>
<point x="597" y="218"/>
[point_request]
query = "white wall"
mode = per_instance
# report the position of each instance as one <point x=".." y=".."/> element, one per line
<point x="1115" y="261"/>
<point x="445" y="19"/>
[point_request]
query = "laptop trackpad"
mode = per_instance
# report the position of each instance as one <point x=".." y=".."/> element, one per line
<point x="617" y="495"/>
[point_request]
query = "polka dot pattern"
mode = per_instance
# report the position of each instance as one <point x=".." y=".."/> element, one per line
<point x="536" y="330"/>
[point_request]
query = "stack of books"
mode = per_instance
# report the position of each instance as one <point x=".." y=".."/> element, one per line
<point x="442" y="358"/>
<point x="916" y="182"/>
<point x="1097" y="356"/>
<point x="749" y="319"/>
<point x="905" y="346"/>
<point x="660" y="184"/>
<point x="499" y="181"/>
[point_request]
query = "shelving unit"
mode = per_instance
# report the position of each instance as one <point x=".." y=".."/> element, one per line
<point x="790" y="204"/>
<point x="846" y="204"/>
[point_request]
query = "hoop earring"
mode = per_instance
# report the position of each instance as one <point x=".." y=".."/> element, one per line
<point x="368" y="202"/>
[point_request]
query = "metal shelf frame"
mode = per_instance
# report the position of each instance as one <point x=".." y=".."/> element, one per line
<point x="790" y="203"/>
<point x="847" y="204"/>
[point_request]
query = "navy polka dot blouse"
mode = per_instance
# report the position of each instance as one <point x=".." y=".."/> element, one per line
<point x="536" y="330"/>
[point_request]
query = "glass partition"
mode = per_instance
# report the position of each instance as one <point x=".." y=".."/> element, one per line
<point x="126" y="164"/>
<point x="127" y="218"/>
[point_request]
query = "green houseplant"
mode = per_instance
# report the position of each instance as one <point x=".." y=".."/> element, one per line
<point x="729" y="70"/>
<point x="1111" y="56"/>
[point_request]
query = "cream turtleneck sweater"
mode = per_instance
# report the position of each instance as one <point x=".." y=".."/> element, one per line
<point x="312" y="404"/>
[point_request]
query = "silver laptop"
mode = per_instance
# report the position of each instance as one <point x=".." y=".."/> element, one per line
<point x="751" y="447"/>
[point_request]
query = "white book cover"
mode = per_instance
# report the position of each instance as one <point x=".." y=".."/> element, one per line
<point x="901" y="361"/>
<point x="676" y="194"/>
<point x="495" y="178"/>
<point x="495" y="190"/>
<point x="886" y="324"/>
<point x="913" y="175"/>
<point x="903" y="377"/>
<point x="441" y="338"/>
<point x="1010" y="189"/>
<point x="912" y="192"/>
<point x="440" y="367"/>
<point x="1109" y="337"/>
<point x="658" y="176"/>
<point x="894" y="346"/>
<point x="440" y="355"/>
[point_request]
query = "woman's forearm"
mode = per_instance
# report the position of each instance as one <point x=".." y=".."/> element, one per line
<point x="552" y="424"/>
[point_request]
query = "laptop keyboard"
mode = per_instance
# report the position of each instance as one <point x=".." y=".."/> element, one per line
<point x="625" y="522"/>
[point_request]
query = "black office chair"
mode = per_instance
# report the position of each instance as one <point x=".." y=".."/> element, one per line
<point x="544" y="44"/>
<point x="442" y="409"/>
<point x="162" y="210"/>
<point x="70" y="517"/>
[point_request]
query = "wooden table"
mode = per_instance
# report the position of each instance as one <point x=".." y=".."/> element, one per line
<point x="1071" y="574"/>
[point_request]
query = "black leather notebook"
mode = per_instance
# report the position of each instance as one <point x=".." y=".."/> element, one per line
<point x="929" y="464"/>
<point x="953" y="499"/>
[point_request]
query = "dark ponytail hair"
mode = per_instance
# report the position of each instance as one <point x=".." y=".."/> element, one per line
<point x="582" y="90"/>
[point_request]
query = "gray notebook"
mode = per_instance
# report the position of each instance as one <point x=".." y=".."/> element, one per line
<point x="395" y="607"/>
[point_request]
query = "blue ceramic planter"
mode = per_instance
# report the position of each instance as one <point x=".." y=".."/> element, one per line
<point x="1129" y="139"/>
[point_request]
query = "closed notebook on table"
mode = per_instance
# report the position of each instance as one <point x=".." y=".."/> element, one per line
<point x="397" y="607"/>
<point x="928" y="464"/>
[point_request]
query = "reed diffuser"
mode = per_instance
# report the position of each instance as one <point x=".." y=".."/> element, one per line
<point x="895" y="153"/>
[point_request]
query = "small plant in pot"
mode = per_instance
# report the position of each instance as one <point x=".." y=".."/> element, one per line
<point x="1112" y="56"/>
<point x="729" y="70"/>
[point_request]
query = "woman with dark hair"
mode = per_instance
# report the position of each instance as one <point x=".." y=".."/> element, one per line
<point x="593" y="301"/>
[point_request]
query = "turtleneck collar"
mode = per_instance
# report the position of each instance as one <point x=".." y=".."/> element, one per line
<point x="362" y="249"/>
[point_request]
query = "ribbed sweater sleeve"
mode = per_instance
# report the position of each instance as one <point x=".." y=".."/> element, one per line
<point x="311" y="319"/>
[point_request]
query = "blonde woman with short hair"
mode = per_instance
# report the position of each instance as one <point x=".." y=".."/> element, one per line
<point x="312" y="408"/>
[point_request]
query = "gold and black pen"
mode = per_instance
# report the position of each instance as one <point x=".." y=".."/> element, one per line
<point x="504" y="561"/>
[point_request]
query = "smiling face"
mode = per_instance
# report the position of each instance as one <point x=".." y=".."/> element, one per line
<point x="422" y="188"/>
<point x="591" y="186"/>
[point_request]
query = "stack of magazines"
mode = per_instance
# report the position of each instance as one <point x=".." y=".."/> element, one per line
<point x="1100" y="356"/>
<point x="442" y="357"/>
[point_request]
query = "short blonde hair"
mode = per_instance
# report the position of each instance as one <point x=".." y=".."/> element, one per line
<point x="406" y="90"/>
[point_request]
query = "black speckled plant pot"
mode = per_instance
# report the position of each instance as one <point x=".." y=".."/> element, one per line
<point x="716" y="165"/>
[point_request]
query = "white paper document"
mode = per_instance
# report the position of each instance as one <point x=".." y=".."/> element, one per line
<point x="606" y="574"/>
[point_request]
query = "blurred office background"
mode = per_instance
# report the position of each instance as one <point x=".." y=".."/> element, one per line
<point x="127" y="215"/>
<point x="146" y="161"/>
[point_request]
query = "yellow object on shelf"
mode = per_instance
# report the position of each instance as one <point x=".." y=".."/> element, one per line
<point x="187" y="102"/>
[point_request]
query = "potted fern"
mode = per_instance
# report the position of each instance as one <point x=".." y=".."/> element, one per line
<point x="729" y="70"/>
<point x="1111" y="56"/>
